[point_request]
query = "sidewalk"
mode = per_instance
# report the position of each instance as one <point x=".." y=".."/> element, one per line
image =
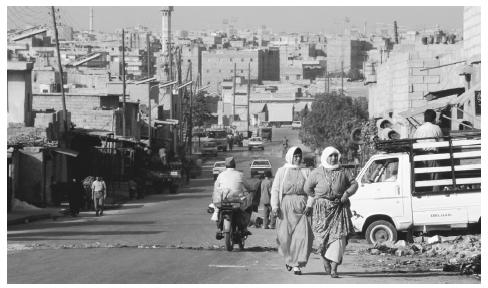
<point x="29" y="215"/>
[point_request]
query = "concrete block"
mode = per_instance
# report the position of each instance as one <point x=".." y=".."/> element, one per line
<point x="415" y="63"/>
<point x="434" y="239"/>
<point x="431" y="79"/>
<point x="416" y="79"/>
<point x="417" y="72"/>
<point x="431" y="63"/>
<point x="420" y="88"/>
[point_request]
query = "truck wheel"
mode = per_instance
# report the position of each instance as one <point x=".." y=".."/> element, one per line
<point x="381" y="231"/>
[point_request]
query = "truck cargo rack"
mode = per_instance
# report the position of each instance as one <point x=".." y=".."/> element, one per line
<point x="456" y="162"/>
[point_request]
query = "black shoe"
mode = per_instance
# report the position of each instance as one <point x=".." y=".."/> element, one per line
<point x="288" y="267"/>
<point x="266" y="227"/>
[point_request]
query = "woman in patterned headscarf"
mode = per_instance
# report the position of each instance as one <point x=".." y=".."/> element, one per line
<point x="330" y="188"/>
<point x="289" y="204"/>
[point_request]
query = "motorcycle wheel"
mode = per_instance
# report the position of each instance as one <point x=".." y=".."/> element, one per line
<point x="228" y="241"/>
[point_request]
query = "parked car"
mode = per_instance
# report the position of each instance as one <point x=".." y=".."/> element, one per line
<point x="218" y="167"/>
<point x="209" y="148"/>
<point x="296" y="124"/>
<point x="255" y="143"/>
<point x="259" y="166"/>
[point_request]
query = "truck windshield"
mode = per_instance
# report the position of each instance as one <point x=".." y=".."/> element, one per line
<point x="383" y="170"/>
<point x="260" y="163"/>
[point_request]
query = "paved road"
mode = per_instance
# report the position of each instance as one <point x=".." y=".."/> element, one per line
<point x="169" y="239"/>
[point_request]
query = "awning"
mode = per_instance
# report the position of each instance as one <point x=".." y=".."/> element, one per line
<point x="66" y="151"/>
<point x="255" y="108"/>
<point x="301" y="105"/>
<point x="434" y="104"/>
<point x="443" y="93"/>
<point x="280" y="112"/>
<point x="468" y="94"/>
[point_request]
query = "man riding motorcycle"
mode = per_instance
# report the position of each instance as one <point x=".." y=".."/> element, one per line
<point x="231" y="184"/>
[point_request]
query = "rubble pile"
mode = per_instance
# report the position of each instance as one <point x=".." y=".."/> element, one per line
<point x="458" y="253"/>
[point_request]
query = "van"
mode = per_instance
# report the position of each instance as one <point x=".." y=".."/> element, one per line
<point x="397" y="194"/>
<point x="296" y="124"/>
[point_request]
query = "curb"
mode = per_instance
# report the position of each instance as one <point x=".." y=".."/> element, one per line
<point x="27" y="219"/>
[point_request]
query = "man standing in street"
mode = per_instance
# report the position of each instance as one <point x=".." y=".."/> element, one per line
<point x="99" y="193"/>
<point x="266" y="185"/>
<point x="429" y="130"/>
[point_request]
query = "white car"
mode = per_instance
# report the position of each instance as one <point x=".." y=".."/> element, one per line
<point x="296" y="124"/>
<point x="218" y="167"/>
<point x="255" y="143"/>
<point x="259" y="166"/>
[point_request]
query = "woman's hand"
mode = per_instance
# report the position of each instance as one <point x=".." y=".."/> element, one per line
<point x="344" y="198"/>
<point x="308" y="211"/>
<point x="276" y="212"/>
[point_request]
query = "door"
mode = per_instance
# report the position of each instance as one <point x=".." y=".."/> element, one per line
<point x="379" y="191"/>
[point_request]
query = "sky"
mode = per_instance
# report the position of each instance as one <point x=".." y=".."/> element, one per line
<point x="278" y="18"/>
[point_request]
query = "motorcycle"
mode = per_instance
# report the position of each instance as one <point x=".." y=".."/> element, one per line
<point x="227" y="221"/>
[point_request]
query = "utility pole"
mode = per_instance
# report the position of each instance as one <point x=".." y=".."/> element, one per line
<point x="342" y="78"/>
<point x="326" y="80"/>
<point x="123" y="82"/>
<point x="190" y="120"/>
<point x="248" y="94"/>
<point x="234" y="94"/>
<point x="63" y="98"/>
<point x="148" y="56"/>
<point x="180" y="94"/>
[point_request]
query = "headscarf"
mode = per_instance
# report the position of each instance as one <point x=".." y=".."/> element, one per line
<point x="289" y="157"/>
<point x="326" y="153"/>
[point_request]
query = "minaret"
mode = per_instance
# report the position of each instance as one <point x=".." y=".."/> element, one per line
<point x="91" y="19"/>
<point x="166" y="32"/>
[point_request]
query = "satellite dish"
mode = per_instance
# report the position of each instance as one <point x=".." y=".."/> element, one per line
<point x="356" y="136"/>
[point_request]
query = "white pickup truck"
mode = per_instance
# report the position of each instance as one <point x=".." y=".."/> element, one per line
<point x="398" y="193"/>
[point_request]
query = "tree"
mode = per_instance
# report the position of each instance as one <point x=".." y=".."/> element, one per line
<point x="331" y="121"/>
<point x="201" y="113"/>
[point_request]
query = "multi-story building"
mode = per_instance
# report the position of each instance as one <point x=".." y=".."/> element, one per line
<point x="345" y="54"/>
<point x="218" y="65"/>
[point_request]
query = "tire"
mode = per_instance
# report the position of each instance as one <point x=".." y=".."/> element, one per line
<point x="228" y="241"/>
<point x="249" y="148"/>
<point x="380" y="231"/>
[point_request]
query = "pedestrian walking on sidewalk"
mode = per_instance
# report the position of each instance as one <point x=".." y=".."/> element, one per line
<point x="99" y="193"/>
<point x="265" y="201"/>
<point x="75" y="197"/>
<point x="289" y="202"/>
<point x="329" y="189"/>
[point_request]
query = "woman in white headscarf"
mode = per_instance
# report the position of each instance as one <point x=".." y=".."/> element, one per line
<point x="330" y="187"/>
<point x="288" y="203"/>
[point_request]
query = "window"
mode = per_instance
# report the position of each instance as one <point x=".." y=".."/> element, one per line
<point x="298" y="77"/>
<point x="208" y="83"/>
<point x="460" y="113"/>
<point x="242" y="59"/>
<point x="220" y="71"/>
<point x="242" y="71"/>
<point x="208" y="71"/>
<point x="287" y="77"/>
<point x="231" y="70"/>
<point x="230" y="59"/>
<point x="477" y="103"/>
<point x="384" y="170"/>
<point x="250" y="60"/>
